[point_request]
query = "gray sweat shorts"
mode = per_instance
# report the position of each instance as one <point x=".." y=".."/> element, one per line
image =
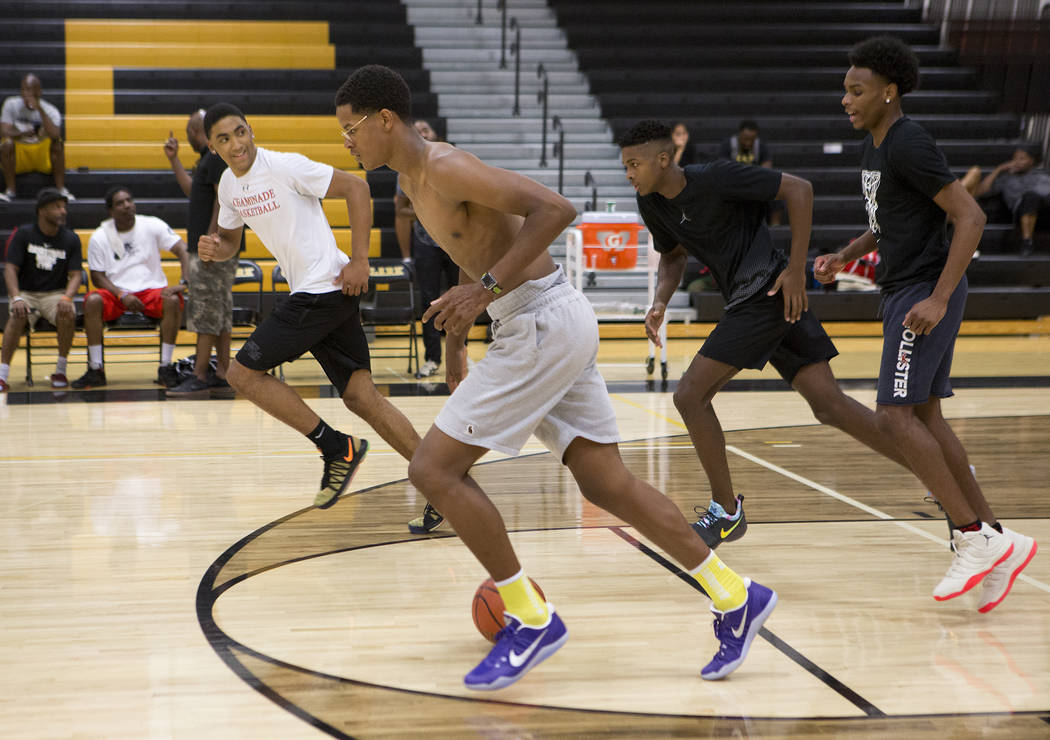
<point x="540" y="375"/>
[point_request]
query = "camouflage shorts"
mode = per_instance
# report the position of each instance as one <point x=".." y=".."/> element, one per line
<point x="211" y="296"/>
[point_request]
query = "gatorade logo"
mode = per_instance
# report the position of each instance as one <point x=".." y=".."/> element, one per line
<point x="614" y="239"/>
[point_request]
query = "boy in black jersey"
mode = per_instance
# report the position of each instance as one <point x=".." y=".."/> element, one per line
<point x="716" y="211"/>
<point x="909" y="190"/>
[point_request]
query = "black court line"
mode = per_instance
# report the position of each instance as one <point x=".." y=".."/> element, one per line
<point x="413" y="389"/>
<point x="823" y="676"/>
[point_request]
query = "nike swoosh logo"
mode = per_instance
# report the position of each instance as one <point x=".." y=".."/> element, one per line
<point x="727" y="532"/>
<point x="743" y="621"/>
<point x="518" y="659"/>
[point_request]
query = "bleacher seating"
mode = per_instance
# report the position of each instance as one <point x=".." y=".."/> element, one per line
<point x="124" y="74"/>
<point x="713" y="64"/>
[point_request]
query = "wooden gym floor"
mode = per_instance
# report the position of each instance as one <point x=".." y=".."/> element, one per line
<point x="164" y="575"/>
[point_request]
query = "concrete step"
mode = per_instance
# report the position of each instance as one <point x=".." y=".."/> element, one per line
<point x="504" y="105"/>
<point x="529" y="56"/>
<point x="529" y="121"/>
<point x="529" y="86"/>
<point x="467" y="17"/>
<point x="456" y="64"/>
<point x="596" y="153"/>
<point x="488" y="9"/>
<point x="442" y="80"/>
<point x="532" y="137"/>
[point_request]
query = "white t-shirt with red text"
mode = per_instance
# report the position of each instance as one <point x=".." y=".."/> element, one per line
<point x="134" y="263"/>
<point x="279" y="197"/>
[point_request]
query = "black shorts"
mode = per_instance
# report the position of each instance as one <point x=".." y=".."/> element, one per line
<point x="325" y="324"/>
<point x="754" y="332"/>
<point x="915" y="367"/>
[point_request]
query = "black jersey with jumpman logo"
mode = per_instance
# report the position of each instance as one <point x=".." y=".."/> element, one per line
<point x="720" y="218"/>
<point x="900" y="179"/>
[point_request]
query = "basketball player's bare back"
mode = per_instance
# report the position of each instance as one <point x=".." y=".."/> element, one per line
<point x="445" y="194"/>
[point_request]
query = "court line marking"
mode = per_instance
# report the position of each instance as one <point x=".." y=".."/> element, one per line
<point x="777" y="642"/>
<point x="859" y="505"/>
<point x="827" y="491"/>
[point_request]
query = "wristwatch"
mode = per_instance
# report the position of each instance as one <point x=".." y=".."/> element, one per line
<point x="489" y="283"/>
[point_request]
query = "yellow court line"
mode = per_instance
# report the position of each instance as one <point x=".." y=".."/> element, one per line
<point x="668" y="419"/>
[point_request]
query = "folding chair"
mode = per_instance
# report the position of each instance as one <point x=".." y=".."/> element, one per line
<point x="248" y="272"/>
<point x="390" y="308"/>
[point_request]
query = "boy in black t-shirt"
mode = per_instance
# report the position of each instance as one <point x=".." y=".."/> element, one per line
<point x="42" y="274"/>
<point x="716" y="212"/>
<point x="908" y="190"/>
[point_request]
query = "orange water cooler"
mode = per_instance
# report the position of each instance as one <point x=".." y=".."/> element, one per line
<point x="610" y="240"/>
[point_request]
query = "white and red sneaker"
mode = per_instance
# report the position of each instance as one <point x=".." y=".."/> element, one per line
<point x="997" y="584"/>
<point x="976" y="554"/>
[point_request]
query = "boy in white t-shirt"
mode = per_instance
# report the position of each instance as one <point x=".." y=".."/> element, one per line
<point x="124" y="260"/>
<point x="278" y="195"/>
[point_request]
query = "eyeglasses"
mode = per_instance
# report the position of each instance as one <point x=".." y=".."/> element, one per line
<point x="348" y="134"/>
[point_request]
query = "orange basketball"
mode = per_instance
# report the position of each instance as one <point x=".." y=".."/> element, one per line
<point x="487" y="608"/>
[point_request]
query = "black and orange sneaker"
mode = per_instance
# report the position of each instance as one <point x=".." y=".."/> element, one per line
<point x="339" y="471"/>
<point x="715" y="526"/>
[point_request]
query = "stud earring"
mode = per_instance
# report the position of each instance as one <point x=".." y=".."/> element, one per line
<point x="887" y="101"/>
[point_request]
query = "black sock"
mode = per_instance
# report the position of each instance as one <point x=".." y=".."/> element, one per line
<point x="998" y="527"/>
<point x="974" y="527"/>
<point x="331" y="442"/>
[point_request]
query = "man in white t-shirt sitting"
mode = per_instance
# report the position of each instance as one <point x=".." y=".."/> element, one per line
<point x="278" y="194"/>
<point x="124" y="260"/>
<point x="31" y="133"/>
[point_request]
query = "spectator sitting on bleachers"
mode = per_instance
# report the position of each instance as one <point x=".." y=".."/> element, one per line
<point x="124" y="259"/>
<point x="684" y="152"/>
<point x="210" y="312"/>
<point x="31" y="129"/>
<point x="747" y="148"/>
<point x="42" y="274"/>
<point x="1024" y="188"/>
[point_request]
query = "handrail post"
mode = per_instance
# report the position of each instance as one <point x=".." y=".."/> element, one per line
<point x="541" y="97"/>
<point x="477" y="19"/>
<point x="515" y="49"/>
<point x="503" y="35"/>
<point x="588" y="179"/>
<point x="559" y="152"/>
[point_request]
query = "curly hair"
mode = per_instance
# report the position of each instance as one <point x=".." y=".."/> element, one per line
<point x="218" y="112"/>
<point x="889" y="57"/>
<point x="374" y="87"/>
<point x="645" y="131"/>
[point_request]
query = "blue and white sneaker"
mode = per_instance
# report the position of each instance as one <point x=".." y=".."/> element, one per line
<point x="737" y="628"/>
<point x="518" y="648"/>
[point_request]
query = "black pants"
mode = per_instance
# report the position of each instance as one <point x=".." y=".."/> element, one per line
<point x="432" y="263"/>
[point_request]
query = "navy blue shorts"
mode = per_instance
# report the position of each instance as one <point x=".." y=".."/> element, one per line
<point x="754" y="332"/>
<point x="326" y="324"/>
<point x="916" y="367"/>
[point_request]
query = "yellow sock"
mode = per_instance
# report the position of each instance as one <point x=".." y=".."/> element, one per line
<point x="521" y="599"/>
<point x="722" y="584"/>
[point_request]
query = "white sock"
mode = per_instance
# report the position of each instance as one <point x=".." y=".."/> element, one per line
<point x="60" y="365"/>
<point x="5" y="370"/>
<point x="166" y="351"/>
<point x="95" y="356"/>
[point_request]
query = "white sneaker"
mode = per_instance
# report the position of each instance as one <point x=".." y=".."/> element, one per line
<point x="69" y="196"/>
<point x="427" y="369"/>
<point x="6" y="196"/>
<point x="997" y="584"/>
<point x="976" y="554"/>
